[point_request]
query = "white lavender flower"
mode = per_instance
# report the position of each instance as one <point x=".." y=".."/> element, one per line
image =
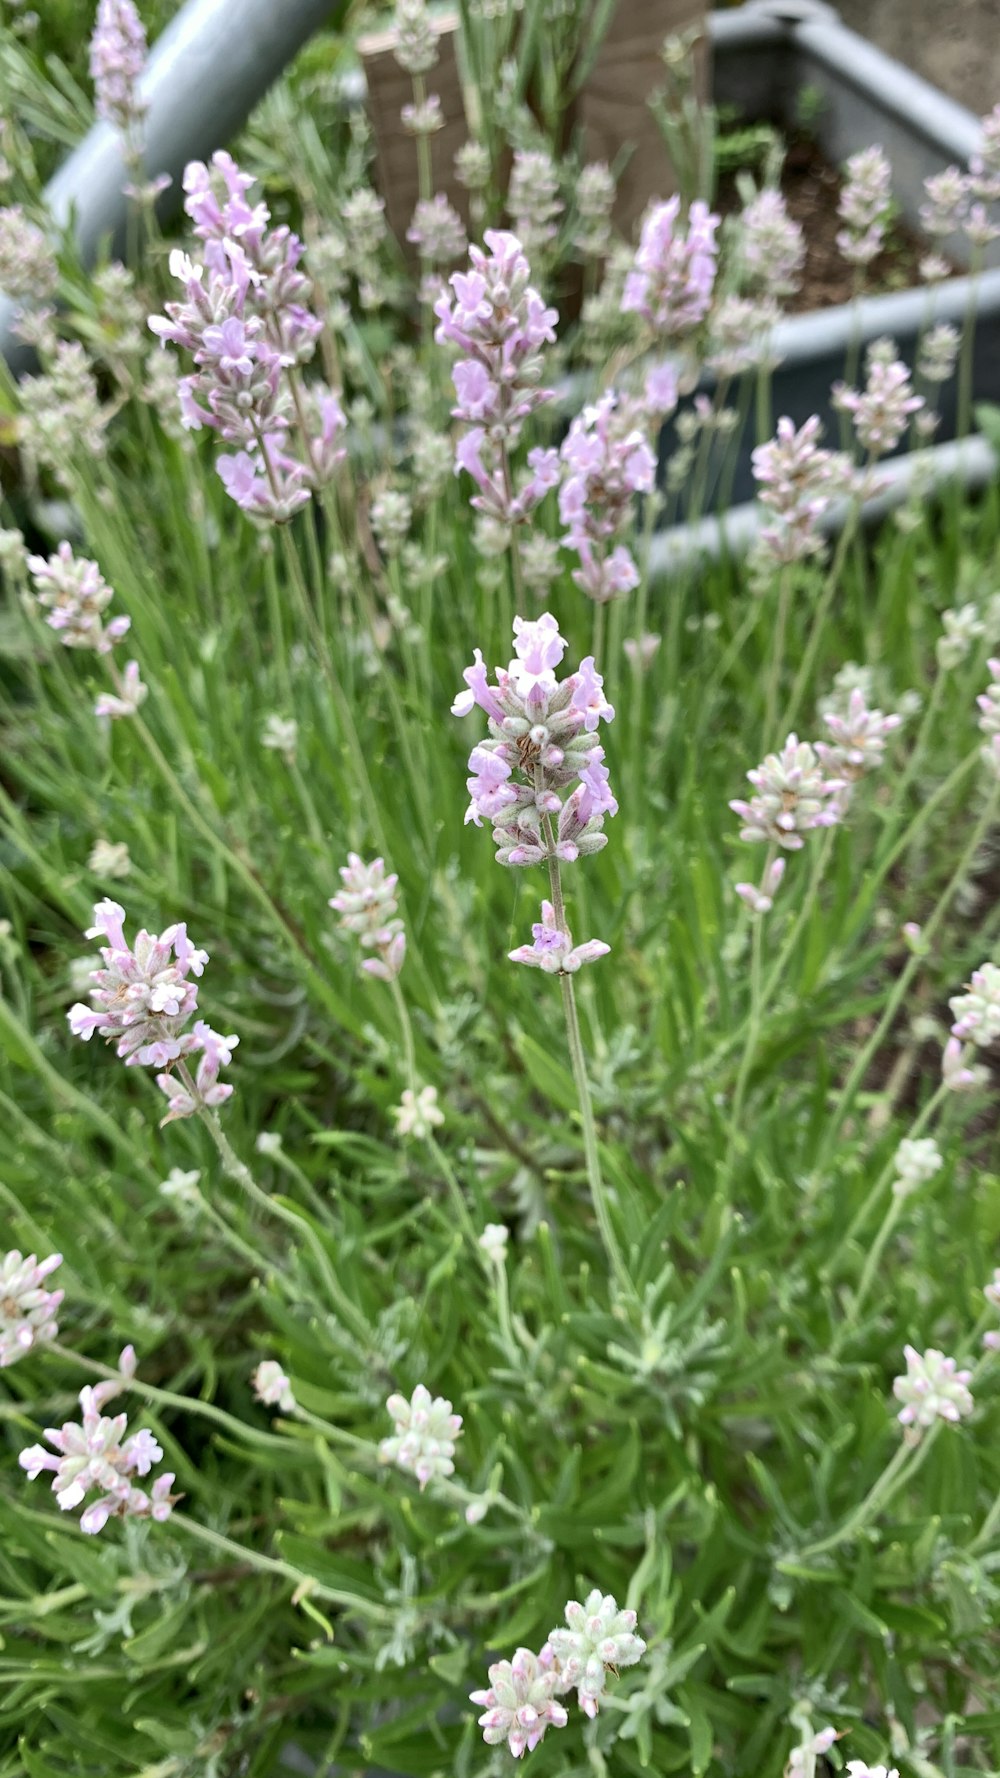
<point x="962" y="626"/>
<point x="939" y="353"/>
<point x="425" y="1432"/>
<point x="392" y="517"/>
<point x="599" y="1637"/>
<point x="493" y="1241"/>
<point x="280" y="734"/>
<point x="416" y="46"/>
<point x="271" y="1386"/>
<point x="793" y="795"/>
<point x="916" y="1160"/>
<point x="109" y="860"/>
<point x="932" y="1389"/>
<point x="27" y="1307"/>
<point x="419" y="1112"/>
<point x="520" y="1703"/>
<point x="977" y="1013"/>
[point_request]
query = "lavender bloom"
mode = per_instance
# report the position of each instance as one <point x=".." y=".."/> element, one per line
<point x="740" y="335"/>
<point x="75" y="595"/>
<point x="761" y="900"/>
<point x="117" y="60"/>
<point x="958" y="1073"/>
<point x="608" y="461"/>
<point x="880" y="412"/>
<point x="594" y="197"/>
<point x="533" y="200"/>
<point x="520" y="1703"/>
<point x="416" y="46"/>
<point x="798" y="481"/>
<point x="425" y="1432"/>
<point x="95" y="1454"/>
<point x="27" y="263"/>
<point x="772" y="247"/>
<point x="916" y="1161"/>
<point x="27" y="1308"/>
<point x="437" y="231"/>
<point x="271" y="1386"/>
<point x="61" y="420"/>
<point x="947" y="203"/>
<point x="245" y="319"/>
<point x="670" y="284"/>
<point x="984" y="165"/>
<point x="991" y="1291"/>
<point x="418" y="1113"/>
<point x="859" y="735"/>
<point x="204" y="1092"/>
<point x="141" y="999"/>
<point x="977" y="1013"/>
<point x="856" y="1768"/>
<point x="553" y="949"/>
<point x="367" y="907"/>
<point x="131" y="693"/>
<point x="864" y="206"/>
<point x="599" y="1638"/>
<point x="939" y="353"/>
<point x="932" y="1389"/>
<point x="542" y="740"/>
<point x="793" y="796"/>
<point x="500" y="324"/>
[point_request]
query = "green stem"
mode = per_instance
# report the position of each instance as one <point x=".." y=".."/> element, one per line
<point x="785" y="581"/>
<point x="166" y="1398"/>
<point x="878" y="1495"/>
<point x="304" y="1583"/>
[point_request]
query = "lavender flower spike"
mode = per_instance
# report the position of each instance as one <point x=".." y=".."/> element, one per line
<point x="27" y="1308"/>
<point x="94" y="1455"/>
<point x="977" y="1013"/>
<point x="793" y="796"/>
<point x="424" y="1437"/>
<point x="75" y="595"/>
<point x="864" y="205"/>
<point x="599" y="1639"/>
<point x="117" y="60"/>
<point x="932" y="1389"/>
<point x="672" y="278"/>
<point x="367" y="907"/>
<point x="520" y="1702"/>
<point x="553" y="949"/>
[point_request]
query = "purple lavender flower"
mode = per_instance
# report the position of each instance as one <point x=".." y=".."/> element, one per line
<point x="772" y="246"/>
<point x="984" y="165"/>
<point x="533" y="200"/>
<point x="187" y="1095"/>
<point x="882" y="409"/>
<point x="367" y="906"/>
<point x="271" y="1386"/>
<point x="542" y="741"/>
<point x="761" y="900"/>
<point x="27" y="263"/>
<point x="608" y="461"/>
<point x="437" y="231"/>
<point x="793" y="796"/>
<point x="95" y="1454"/>
<point x="246" y="321"/>
<point x="798" y="481"/>
<point x="553" y="950"/>
<point x="75" y="594"/>
<point x="977" y="1012"/>
<point x="27" y="1308"/>
<point x="670" y="284"/>
<point x="859" y="738"/>
<point x="130" y="694"/>
<point x="932" y="1389"/>
<point x="947" y="203"/>
<point x="500" y="325"/>
<point x="117" y="61"/>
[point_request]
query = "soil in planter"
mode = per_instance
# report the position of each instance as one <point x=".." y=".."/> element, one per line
<point x="811" y="189"/>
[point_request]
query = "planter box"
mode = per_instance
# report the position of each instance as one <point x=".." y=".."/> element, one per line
<point x="763" y="54"/>
<point x="609" y="113"/>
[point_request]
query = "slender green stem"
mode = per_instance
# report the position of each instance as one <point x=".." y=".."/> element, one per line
<point x="238" y="1171"/>
<point x="877" y="1497"/>
<point x="753" y="1025"/>
<point x="863" y="1060"/>
<point x="820" y="616"/>
<point x="304" y="1584"/>
<point x="785" y="583"/>
<point x="166" y="1398"/>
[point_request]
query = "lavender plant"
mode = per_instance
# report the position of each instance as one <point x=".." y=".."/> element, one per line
<point x="605" y="1378"/>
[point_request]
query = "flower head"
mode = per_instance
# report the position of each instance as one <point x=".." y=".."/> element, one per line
<point x="672" y="277"/>
<point x="117" y="60"/>
<point x="932" y="1389"/>
<point x="27" y="263"/>
<point x="419" y="1113"/>
<point x="27" y="1307"/>
<point x="96" y="1455"/>
<point x="864" y="205"/>
<point x="75" y="594"/>
<point x="772" y="246"/>
<point x="917" y="1159"/>
<point x="552" y="948"/>
<point x="494" y="1238"/>
<point x="798" y="480"/>
<point x="271" y="1386"/>
<point x="423" y="1442"/>
<point x="520" y="1702"/>
<point x="882" y="409"/>
<point x="367" y="907"/>
<point x="599" y="1639"/>
<point x="607" y="461"/>
<point x="793" y="795"/>
<point x="977" y="1013"/>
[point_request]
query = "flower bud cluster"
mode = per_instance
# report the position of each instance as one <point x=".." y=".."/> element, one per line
<point x="367" y="906"/>
<point x="798" y="480"/>
<point x="542" y="741"/>
<point x="917" y="1159"/>
<point x="553" y="950"/>
<point x="142" y="1001"/>
<point x="117" y="61"/>
<point x="61" y="422"/>
<point x="864" y="205"/>
<point x="271" y="1386"/>
<point x="594" y="197"/>
<point x="416" y="46"/>
<point x="859" y="736"/>
<point x="772" y="248"/>
<point x="933" y="1389"/>
<point x="27" y="1307"/>
<point x="27" y="263"/>
<point x="739" y="335"/>
<point x="673" y="274"/>
<point x="939" y="353"/>
<point x="94" y="1454"/>
<point x="533" y="200"/>
<point x="245" y="319"/>
<point x="500" y="325"/>
<point x="522" y="1699"/>
<point x="881" y="410"/>
<point x="423" y="1442"/>
<point x="977" y="1012"/>
<point x="437" y="231"/>
<point x="793" y="795"/>
<point x="607" y="461"/>
<point x="989" y="718"/>
<point x="75" y="594"/>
